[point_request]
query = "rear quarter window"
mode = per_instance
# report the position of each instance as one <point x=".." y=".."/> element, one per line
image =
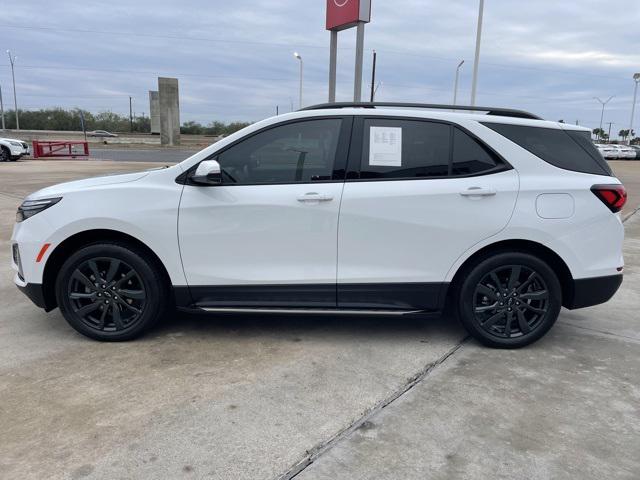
<point x="569" y="150"/>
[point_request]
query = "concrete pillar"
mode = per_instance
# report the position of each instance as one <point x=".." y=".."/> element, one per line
<point x="154" y="111"/>
<point x="169" y="111"/>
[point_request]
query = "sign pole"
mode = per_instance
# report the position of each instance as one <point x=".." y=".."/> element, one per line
<point x="357" y="86"/>
<point x="333" y="60"/>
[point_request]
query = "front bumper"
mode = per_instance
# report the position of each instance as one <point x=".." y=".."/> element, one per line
<point x="35" y="292"/>
<point x="586" y="292"/>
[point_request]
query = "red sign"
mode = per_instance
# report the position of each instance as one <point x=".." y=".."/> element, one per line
<point x="342" y="14"/>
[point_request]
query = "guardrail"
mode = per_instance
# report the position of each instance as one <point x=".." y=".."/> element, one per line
<point x="42" y="149"/>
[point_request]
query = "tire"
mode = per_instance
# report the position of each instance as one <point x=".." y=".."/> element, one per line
<point x="5" y="155"/>
<point x="521" y="312"/>
<point x="129" y="297"/>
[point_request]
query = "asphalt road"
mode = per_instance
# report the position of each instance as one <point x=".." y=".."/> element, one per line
<point x="228" y="397"/>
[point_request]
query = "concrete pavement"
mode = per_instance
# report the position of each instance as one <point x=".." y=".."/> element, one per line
<point x="230" y="397"/>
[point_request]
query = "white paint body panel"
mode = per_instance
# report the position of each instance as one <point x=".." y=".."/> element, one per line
<point x="259" y="234"/>
<point x="143" y="205"/>
<point x="413" y="230"/>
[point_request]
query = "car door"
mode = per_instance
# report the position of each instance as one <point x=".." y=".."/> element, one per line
<point x="267" y="235"/>
<point x="418" y="195"/>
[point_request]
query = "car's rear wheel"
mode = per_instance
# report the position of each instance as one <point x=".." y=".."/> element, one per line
<point x="509" y="300"/>
<point x="111" y="291"/>
<point x="5" y="155"/>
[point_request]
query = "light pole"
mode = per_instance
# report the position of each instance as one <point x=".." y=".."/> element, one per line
<point x="1" y="108"/>
<point x="636" y="78"/>
<point x="455" y="84"/>
<point x="474" y="82"/>
<point x="12" y="59"/>
<point x="603" y="105"/>
<point x="297" y="55"/>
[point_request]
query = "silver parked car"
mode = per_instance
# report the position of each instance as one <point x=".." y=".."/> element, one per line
<point x="101" y="133"/>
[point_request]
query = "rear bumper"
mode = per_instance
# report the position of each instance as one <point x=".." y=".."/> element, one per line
<point x="586" y="292"/>
<point x="35" y="292"/>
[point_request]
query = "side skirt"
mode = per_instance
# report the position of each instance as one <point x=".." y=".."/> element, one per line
<point x="401" y="298"/>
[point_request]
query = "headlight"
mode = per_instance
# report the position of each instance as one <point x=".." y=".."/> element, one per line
<point x="15" y="144"/>
<point x="30" y="207"/>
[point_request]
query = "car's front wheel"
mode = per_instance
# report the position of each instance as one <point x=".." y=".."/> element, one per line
<point x="111" y="291"/>
<point x="509" y="300"/>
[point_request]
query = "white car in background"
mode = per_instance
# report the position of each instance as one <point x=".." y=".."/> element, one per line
<point x="11" y="149"/>
<point x="625" y="152"/>
<point x="390" y="209"/>
<point x="610" y="152"/>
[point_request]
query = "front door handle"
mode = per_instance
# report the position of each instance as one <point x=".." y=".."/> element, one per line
<point x="313" y="197"/>
<point x="478" y="192"/>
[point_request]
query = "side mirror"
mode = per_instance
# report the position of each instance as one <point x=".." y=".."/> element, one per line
<point x="208" y="173"/>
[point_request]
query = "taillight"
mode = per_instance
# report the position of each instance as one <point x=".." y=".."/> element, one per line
<point x="613" y="196"/>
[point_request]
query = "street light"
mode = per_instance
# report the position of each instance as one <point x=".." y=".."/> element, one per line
<point x="297" y="55"/>
<point x="603" y="105"/>
<point x="474" y="82"/>
<point x="455" y="84"/>
<point x="636" y="78"/>
<point x="12" y="60"/>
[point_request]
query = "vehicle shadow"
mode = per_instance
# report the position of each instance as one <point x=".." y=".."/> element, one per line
<point x="309" y="326"/>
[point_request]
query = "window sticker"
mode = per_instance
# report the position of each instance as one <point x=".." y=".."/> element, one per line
<point x="385" y="146"/>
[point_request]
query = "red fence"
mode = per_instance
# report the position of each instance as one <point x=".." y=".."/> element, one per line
<point x="60" y="149"/>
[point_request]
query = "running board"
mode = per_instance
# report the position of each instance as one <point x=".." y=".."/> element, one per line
<point x="307" y="311"/>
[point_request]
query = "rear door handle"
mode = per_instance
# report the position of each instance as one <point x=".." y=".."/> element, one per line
<point x="313" y="197"/>
<point x="478" y="192"/>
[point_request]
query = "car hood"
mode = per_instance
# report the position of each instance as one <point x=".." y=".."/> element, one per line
<point x="74" y="186"/>
<point x="12" y="140"/>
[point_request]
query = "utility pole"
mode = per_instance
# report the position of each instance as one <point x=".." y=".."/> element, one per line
<point x="455" y="84"/>
<point x="130" y="115"/>
<point x="12" y="60"/>
<point x="603" y="105"/>
<point x="333" y="60"/>
<point x="609" y="134"/>
<point x="636" y="78"/>
<point x="357" y="83"/>
<point x="474" y="82"/>
<point x="1" y="108"/>
<point x="299" y="57"/>
<point x="373" y="77"/>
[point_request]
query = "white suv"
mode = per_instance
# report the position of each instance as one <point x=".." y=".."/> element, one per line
<point x="375" y="209"/>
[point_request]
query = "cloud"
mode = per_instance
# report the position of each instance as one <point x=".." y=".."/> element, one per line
<point x="234" y="59"/>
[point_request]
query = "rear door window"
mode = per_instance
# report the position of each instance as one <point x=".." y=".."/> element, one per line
<point x="396" y="149"/>
<point x="469" y="156"/>
<point x="569" y="150"/>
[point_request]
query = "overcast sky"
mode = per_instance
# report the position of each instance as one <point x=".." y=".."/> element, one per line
<point x="234" y="59"/>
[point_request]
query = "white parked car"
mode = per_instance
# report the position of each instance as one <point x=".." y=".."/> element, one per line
<point x="625" y="152"/>
<point x="12" y="149"/>
<point x="610" y="152"/>
<point x="501" y="217"/>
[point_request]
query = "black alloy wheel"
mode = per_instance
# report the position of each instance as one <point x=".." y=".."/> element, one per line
<point x="509" y="299"/>
<point x="107" y="294"/>
<point x="112" y="291"/>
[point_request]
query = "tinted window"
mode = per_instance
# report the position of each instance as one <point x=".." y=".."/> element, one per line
<point x="292" y="153"/>
<point x="584" y="140"/>
<point x="405" y="149"/>
<point x="469" y="157"/>
<point x="557" y="147"/>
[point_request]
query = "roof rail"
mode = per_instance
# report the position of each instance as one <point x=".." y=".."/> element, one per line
<point x="505" y="112"/>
